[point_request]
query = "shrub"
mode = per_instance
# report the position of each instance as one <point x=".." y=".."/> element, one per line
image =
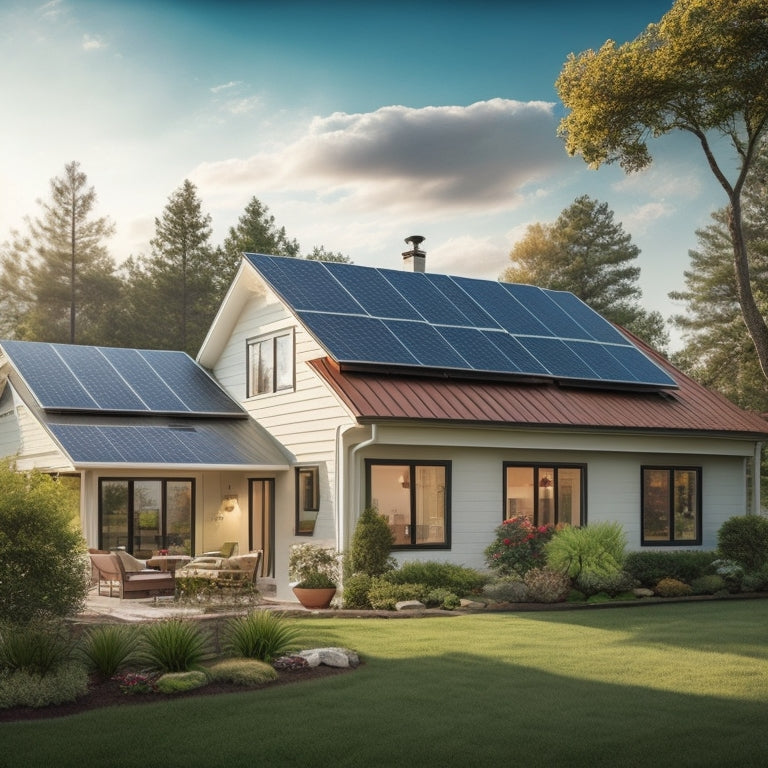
<point x="745" y="540"/>
<point x="306" y="560"/>
<point x="651" y="567"/>
<point x="757" y="581"/>
<point x="172" y="645"/>
<point x="178" y="682"/>
<point x="372" y="542"/>
<point x="614" y="583"/>
<point x="708" y="585"/>
<point x="546" y="586"/>
<point x="517" y="546"/>
<point x="508" y="589"/>
<point x="594" y="551"/>
<point x="672" y="588"/>
<point x="42" y="553"/>
<point x="731" y="572"/>
<point x="442" y="598"/>
<point x="261" y="635"/>
<point x="383" y="595"/>
<point x="137" y="682"/>
<point x="242" y="672"/>
<point x="22" y="688"/>
<point x="108" y="647"/>
<point x="436" y="575"/>
<point x="39" y="648"/>
<point x="356" y="589"/>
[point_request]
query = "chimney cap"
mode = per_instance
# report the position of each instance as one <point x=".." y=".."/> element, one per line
<point x="417" y="240"/>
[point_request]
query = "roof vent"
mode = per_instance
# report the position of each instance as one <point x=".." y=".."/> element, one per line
<point x="415" y="259"/>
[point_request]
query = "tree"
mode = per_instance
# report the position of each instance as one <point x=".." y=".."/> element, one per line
<point x="587" y="253"/>
<point x="256" y="232"/>
<point x="702" y="69"/>
<point x="173" y="293"/>
<point x="42" y="571"/>
<point x="320" y="254"/>
<point x="59" y="275"/>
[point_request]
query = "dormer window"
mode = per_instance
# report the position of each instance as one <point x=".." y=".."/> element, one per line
<point x="270" y="364"/>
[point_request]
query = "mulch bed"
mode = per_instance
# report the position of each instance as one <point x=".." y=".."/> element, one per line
<point x="107" y="693"/>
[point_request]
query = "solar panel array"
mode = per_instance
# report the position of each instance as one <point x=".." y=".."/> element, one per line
<point x="82" y="378"/>
<point x="364" y="316"/>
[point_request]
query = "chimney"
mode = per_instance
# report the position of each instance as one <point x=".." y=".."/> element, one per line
<point x="415" y="259"/>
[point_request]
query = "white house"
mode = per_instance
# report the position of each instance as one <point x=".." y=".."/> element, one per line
<point x="447" y="403"/>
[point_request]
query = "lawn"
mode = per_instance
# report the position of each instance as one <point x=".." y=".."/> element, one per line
<point x="663" y="685"/>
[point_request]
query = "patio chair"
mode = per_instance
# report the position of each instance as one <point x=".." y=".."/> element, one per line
<point x="228" y="549"/>
<point x="105" y="571"/>
<point x="124" y="573"/>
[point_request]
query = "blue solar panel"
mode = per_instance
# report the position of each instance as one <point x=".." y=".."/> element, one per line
<point x="366" y="316"/>
<point x="67" y="377"/>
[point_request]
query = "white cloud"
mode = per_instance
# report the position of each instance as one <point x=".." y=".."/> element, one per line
<point x="225" y="86"/>
<point x="397" y="158"/>
<point x="93" y="43"/>
<point x="244" y="105"/>
<point x="52" y="10"/>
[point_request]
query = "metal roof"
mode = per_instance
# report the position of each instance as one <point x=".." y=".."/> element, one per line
<point x="691" y="408"/>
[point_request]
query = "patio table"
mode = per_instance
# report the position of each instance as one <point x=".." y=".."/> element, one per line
<point x="168" y="562"/>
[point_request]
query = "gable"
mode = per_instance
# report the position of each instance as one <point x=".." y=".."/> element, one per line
<point x="429" y="324"/>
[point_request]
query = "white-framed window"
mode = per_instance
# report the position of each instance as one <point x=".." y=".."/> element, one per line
<point x="270" y="364"/>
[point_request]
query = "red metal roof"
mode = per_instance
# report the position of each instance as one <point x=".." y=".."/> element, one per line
<point x="692" y="408"/>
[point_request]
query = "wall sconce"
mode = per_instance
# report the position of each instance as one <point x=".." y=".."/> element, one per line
<point x="229" y="503"/>
<point x="405" y="481"/>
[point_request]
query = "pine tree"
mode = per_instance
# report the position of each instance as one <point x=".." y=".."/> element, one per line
<point x="589" y="254"/>
<point x="58" y="277"/>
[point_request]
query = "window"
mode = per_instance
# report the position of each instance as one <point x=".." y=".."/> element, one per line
<point x="547" y="494"/>
<point x="146" y="515"/>
<point x="270" y="364"/>
<point x="415" y="499"/>
<point x="307" y="499"/>
<point x="671" y="505"/>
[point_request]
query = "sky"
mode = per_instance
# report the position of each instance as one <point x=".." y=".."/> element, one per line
<point x="357" y="124"/>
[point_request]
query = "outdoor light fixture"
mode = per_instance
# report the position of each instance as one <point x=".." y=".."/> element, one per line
<point x="229" y="503"/>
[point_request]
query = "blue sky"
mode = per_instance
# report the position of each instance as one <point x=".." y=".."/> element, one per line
<point x="358" y="124"/>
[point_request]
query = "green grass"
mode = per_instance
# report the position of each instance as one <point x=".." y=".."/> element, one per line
<point x="664" y="685"/>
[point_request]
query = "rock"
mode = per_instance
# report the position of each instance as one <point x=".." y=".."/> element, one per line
<point x="331" y="657"/>
<point x="410" y="605"/>
<point x="472" y="605"/>
<point x="642" y="592"/>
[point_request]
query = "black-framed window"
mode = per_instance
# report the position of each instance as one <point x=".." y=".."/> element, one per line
<point x="270" y="364"/>
<point x="671" y="506"/>
<point x="415" y="497"/>
<point x="547" y="494"/>
<point x="307" y="499"/>
<point x="144" y="515"/>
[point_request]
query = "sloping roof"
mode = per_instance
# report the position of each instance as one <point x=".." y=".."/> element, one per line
<point x="108" y="406"/>
<point x="368" y="318"/>
<point x="691" y="409"/>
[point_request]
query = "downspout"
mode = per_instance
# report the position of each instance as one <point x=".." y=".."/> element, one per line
<point x="756" y="479"/>
<point x="354" y="479"/>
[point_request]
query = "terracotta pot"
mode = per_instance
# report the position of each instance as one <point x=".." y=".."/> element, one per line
<point x="314" y="598"/>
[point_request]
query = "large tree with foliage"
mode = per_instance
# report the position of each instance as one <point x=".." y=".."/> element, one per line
<point x="58" y="279"/>
<point x="702" y="69"/>
<point x="173" y="292"/>
<point x="589" y="254"/>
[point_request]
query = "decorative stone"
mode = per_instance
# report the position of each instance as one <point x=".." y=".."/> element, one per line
<point x="331" y="657"/>
<point x="472" y="605"/>
<point x="642" y="592"/>
<point x="410" y="605"/>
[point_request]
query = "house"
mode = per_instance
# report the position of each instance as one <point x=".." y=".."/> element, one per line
<point x="447" y="403"/>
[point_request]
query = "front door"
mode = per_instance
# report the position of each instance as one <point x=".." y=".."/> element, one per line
<point x="261" y="528"/>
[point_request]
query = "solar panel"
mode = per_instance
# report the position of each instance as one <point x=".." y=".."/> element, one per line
<point x="367" y="316"/>
<point x="68" y="377"/>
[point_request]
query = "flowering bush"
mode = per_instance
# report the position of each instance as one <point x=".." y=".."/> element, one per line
<point x="518" y="546"/>
<point x="137" y="682"/>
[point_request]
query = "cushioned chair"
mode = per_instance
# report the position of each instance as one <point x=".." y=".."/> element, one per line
<point x="229" y="571"/>
<point x="228" y="549"/>
<point x="125" y="573"/>
<point x="105" y="571"/>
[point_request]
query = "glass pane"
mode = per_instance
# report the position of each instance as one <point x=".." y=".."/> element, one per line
<point x="284" y="378"/>
<point x="569" y="496"/>
<point x="546" y="488"/>
<point x="656" y="505"/>
<point x="519" y="492"/>
<point x="178" y="533"/>
<point x="391" y="495"/>
<point x="114" y="514"/>
<point x="308" y="500"/>
<point x="147" y="525"/>
<point x="430" y="505"/>
<point x="686" y="505"/>
<point x="266" y="357"/>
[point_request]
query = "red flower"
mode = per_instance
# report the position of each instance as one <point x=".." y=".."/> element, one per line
<point x="507" y="542"/>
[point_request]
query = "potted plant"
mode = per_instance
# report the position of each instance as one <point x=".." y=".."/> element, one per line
<point x="315" y="570"/>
